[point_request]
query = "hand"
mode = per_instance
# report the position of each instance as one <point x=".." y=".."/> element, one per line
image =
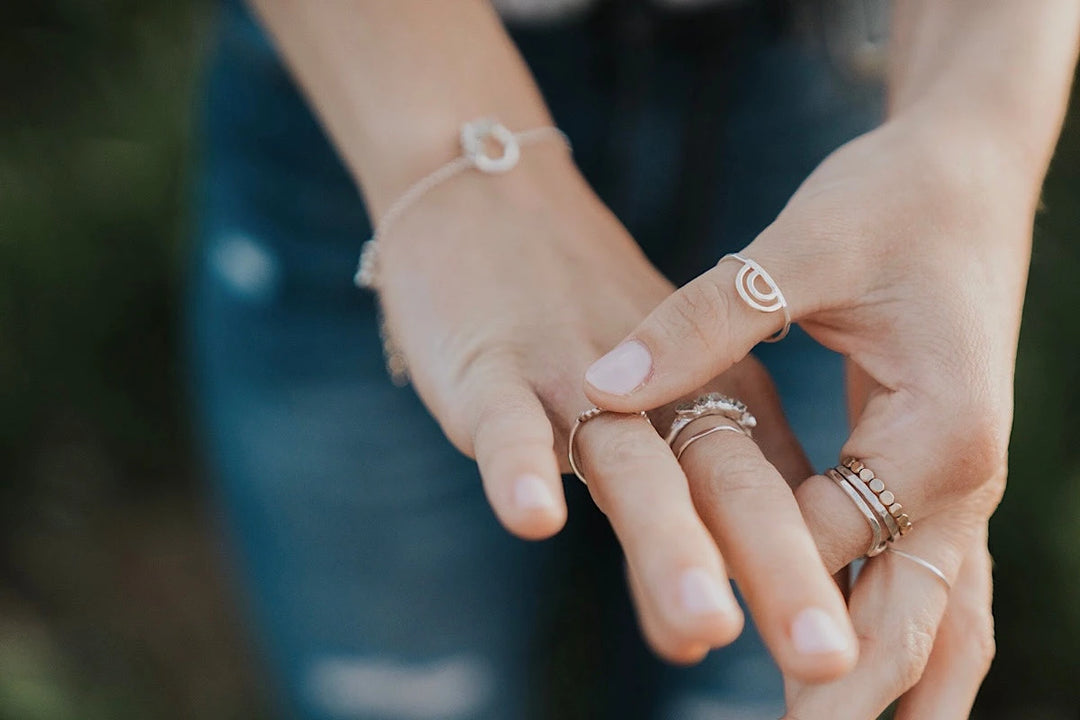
<point x="942" y="658"/>
<point x="500" y="290"/>
<point x="907" y="253"/>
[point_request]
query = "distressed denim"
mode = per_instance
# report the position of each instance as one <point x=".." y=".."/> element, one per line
<point x="378" y="583"/>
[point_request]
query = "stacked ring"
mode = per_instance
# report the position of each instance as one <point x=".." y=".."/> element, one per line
<point x="713" y="403"/>
<point x="877" y="539"/>
<point x="871" y="499"/>
<point x="886" y="517"/>
<point x="877" y="486"/>
<point x="710" y="405"/>
<point x="583" y="418"/>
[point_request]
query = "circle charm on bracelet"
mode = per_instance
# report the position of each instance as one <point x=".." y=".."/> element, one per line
<point x="590" y="414"/>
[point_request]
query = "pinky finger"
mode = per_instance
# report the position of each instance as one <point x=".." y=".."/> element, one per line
<point x="963" y="649"/>
<point x="513" y="443"/>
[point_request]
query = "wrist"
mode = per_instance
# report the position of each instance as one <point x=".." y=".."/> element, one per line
<point x="973" y="154"/>
<point x="389" y="168"/>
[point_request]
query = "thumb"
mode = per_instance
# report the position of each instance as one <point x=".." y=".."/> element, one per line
<point x="701" y="330"/>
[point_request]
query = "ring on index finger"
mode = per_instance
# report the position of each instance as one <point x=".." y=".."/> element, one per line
<point x="591" y="413"/>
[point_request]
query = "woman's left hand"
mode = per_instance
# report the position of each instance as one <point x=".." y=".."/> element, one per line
<point x="907" y="252"/>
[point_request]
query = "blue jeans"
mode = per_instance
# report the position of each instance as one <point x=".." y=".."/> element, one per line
<point x="379" y="583"/>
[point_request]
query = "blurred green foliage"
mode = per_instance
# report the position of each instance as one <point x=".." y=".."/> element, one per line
<point x="110" y="601"/>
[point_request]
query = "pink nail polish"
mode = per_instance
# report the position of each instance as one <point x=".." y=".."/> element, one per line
<point x="622" y="370"/>
<point x="814" y="632"/>
<point x="702" y="594"/>
<point x="532" y="493"/>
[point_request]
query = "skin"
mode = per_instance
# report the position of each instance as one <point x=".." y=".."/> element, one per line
<point x="906" y="251"/>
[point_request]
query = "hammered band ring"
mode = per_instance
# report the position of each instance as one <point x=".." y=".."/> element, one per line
<point x="590" y="414"/>
<point x="748" y="283"/>
<point x="877" y="539"/>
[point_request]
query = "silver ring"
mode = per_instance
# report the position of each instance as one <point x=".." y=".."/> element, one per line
<point x="711" y="404"/>
<point x="703" y="433"/>
<point x="924" y="563"/>
<point x="872" y="501"/>
<point x="769" y="300"/>
<point x="591" y="413"/>
<point x="877" y="541"/>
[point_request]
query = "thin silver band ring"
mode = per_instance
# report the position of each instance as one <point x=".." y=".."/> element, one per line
<point x="704" y="433"/>
<point x="924" y="563"/>
<point x="877" y="541"/>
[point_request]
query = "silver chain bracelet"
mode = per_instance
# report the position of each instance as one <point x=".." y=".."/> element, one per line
<point x="474" y="136"/>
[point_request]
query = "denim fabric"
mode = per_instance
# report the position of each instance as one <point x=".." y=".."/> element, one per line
<point x="379" y="584"/>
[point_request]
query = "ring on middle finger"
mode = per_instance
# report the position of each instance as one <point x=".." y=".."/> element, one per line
<point x="710" y="405"/>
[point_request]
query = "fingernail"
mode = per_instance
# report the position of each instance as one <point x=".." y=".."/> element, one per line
<point x="702" y="594"/>
<point x="532" y="493"/>
<point x="622" y="370"/>
<point x="814" y="632"/>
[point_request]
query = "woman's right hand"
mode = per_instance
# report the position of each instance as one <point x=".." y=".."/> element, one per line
<point x="499" y="291"/>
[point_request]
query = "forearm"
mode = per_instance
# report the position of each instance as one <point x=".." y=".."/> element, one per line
<point x="393" y="80"/>
<point x="987" y="71"/>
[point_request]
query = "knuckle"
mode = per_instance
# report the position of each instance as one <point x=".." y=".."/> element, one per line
<point x="609" y="451"/>
<point x="741" y="474"/>
<point x="980" y="452"/>
<point x="698" y="312"/>
<point x="502" y="427"/>
<point x="973" y="632"/>
<point x="621" y="450"/>
<point x="915" y="645"/>
<point x="984" y="647"/>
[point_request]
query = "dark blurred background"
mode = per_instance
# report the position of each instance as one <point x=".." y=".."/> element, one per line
<point x="114" y="598"/>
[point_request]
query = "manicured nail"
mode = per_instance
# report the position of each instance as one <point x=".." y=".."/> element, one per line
<point x="702" y="594"/>
<point x="622" y="370"/>
<point x="532" y="493"/>
<point x="814" y="632"/>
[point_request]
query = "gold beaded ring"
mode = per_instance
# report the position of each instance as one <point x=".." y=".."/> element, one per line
<point x="886" y="497"/>
<point x="891" y="527"/>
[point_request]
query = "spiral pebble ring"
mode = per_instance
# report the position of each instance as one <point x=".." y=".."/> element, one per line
<point x="769" y="300"/>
